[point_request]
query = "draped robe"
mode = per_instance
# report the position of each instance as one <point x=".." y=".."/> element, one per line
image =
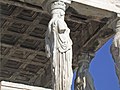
<point x="59" y="49"/>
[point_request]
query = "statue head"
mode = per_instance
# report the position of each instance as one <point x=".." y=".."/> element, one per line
<point x="58" y="8"/>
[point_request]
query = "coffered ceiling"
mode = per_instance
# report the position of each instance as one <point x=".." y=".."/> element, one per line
<point x="23" y="58"/>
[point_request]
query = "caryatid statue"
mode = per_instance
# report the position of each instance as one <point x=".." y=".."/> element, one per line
<point x="115" y="49"/>
<point x="59" y="47"/>
<point x="84" y="79"/>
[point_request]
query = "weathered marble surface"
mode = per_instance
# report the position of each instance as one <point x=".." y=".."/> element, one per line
<point x="115" y="48"/>
<point x="59" y="48"/>
<point x="84" y="80"/>
<point x="115" y="53"/>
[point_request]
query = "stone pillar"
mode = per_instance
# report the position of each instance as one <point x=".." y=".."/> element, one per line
<point x="115" y="48"/>
<point x="83" y="79"/>
<point x="59" y="46"/>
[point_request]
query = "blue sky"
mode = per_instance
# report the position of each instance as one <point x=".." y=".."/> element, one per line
<point x="102" y="69"/>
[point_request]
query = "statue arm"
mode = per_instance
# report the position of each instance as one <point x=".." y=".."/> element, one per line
<point x="47" y="45"/>
<point x="48" y="40"/>
<point x="61" y="26"/>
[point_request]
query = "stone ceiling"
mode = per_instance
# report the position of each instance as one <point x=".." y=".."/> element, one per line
<point x="23" y="57"/>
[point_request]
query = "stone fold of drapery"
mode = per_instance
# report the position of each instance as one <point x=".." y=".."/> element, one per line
<point x="59" y="46"/>
<point x="115" y="47"/>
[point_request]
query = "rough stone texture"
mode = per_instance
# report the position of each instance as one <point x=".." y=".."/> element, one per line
<point x="22" y="49"/>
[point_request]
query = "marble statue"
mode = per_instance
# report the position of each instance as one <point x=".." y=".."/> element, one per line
<point x="116" y="40"/>
<point x="59" y="48"/>
<point x="115" y="48"/>
<point x="84" y="79"/>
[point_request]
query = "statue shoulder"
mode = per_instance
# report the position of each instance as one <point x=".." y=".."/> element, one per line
<point x="61" y="24"/>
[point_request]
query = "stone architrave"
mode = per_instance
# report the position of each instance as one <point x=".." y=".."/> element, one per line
<point x="84" y="79"/>
<point x="59" y="47"/>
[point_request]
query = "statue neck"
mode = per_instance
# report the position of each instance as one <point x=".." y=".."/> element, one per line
<point x="56" y="15"/>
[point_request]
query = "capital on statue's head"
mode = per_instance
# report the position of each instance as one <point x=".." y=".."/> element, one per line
<point x="58" y="5"/>
<point x="50" y="5"/>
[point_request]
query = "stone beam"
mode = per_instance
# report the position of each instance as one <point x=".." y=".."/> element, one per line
<point x="109" y="5"/>
<point x="15" y="86"/>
